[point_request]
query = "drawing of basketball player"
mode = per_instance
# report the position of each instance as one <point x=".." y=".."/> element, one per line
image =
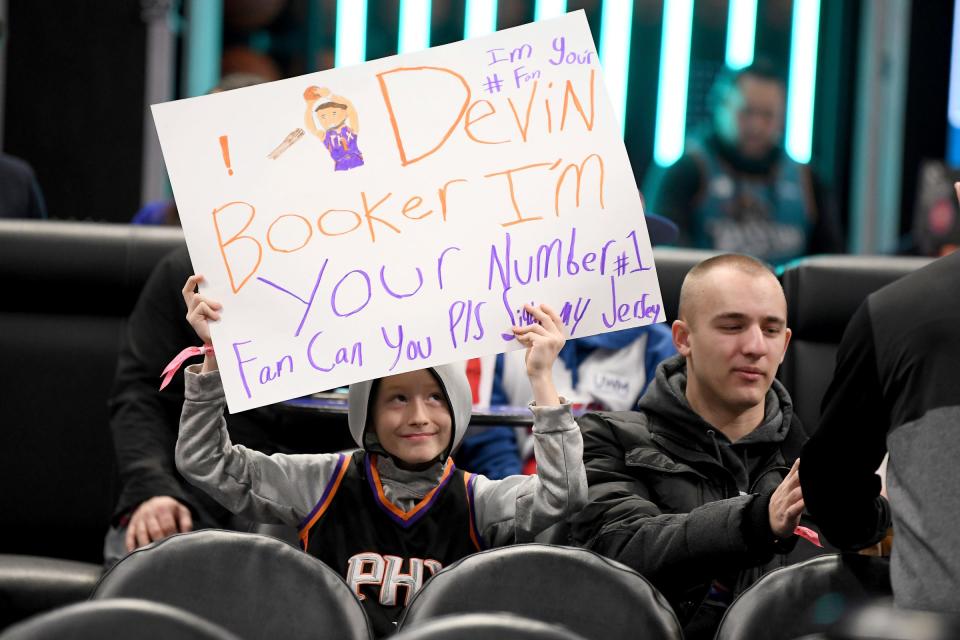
<point x="333" y="119"/>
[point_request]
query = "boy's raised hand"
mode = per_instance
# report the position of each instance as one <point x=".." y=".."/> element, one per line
<point x="543" y="341"/>
<point x="200" y="311"/>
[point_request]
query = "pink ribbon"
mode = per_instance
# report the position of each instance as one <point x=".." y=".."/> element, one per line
<point x="175" y="364"/>
<point x="809" y="535"/>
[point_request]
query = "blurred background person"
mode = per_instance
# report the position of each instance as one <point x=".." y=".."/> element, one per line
<point x="936" y="216"/>
<point x="735" y="189"/>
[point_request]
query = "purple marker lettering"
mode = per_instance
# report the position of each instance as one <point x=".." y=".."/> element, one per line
<point x="387" y="288"/>
<point x="516" y="270"/>
<point x="398" y="347"/>
<point x="452" y="324"/>
<point x="240" y="363"/>
<point x="313" y="294"/>
<point x="354" y="356"/>
<point x="572" y="267"/>
<point x="443" y="254"/>
<point x="578" y="314"/>
<point x="336" y="288"/>
<point x="544" y="251"/>
<point x="560" y="46"/>
<point x="507" y="337"/>
<point x="524" y="51"/>
<point x="603" y="256"/>
<point x="503" y="266"/>
<point x="636" y="250"/>
<point x="268" y="374"/>
<point x="494" y="58"/>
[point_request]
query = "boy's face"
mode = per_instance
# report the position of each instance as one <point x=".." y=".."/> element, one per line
<point x="411" y="417"/>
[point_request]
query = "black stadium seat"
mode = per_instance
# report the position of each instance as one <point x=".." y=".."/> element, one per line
<point x="879" y="622"/>
<point x="255" y="586"/>
<point x="119" y="618"/>
<point x="822" y="293"/>
<point x="68" y="288"/>
<point x="672" y="267"/>
<point x="484" y="626"/>
<point x="806" y="598"/>
<point x="31" y="584"/>
<point x="575" y="588"/>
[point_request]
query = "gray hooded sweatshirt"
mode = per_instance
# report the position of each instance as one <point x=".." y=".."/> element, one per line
<point x="285" y="488"/>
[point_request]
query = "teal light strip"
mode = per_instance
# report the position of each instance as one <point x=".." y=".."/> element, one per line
<point x="672" y="87"/>
<point x="801" y="90"/>
<point x="351" y="32"/>
<point x="616" y="24"/>
<point x="204" y="46"/>
<point x="414" y="26"/>
<point x="953" y="97"/>
<point x="546" y="9"/>
<point x="481" y="18"/>
<point x="741" y="33"/>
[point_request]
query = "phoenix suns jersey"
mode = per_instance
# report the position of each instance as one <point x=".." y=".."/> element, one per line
<point x="383" y="552"/>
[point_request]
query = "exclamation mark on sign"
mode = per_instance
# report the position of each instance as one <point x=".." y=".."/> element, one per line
<point x="225" y="150"/>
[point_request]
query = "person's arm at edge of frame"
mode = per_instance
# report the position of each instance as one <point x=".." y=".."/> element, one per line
<point x="142" y="420"/>
<point x="518" y="508"/>
<point x="838" y="464"/>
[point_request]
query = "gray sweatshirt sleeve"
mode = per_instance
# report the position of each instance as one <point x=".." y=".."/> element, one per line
<point x="271" y="489"/>
<point x="518" y="508"/>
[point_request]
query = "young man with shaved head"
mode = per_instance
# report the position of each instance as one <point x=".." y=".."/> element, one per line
<point x="698" y="488"/>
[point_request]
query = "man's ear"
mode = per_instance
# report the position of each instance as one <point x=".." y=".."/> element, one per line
<point x="681" y="337"/>
<point x="787" y="333"/>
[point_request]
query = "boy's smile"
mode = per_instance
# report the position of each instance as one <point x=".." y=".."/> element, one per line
<point x="411" y="417"/>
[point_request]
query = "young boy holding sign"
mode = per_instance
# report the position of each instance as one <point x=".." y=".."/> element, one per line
<point x="397" y="511"/>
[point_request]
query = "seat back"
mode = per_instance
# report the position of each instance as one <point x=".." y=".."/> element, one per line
<point x="482" y="626"/>
<point x="879" y="622"/>
<point x="672" y="267"/>
<point x="68" y="287"/>
<point x="121" y="617"/>
<point x="805" y="598"/>
<point x="823" y="292"/>
<point x="30" y="585"/>
<point x="575" y="588"/>
<point x="255" y="586"/>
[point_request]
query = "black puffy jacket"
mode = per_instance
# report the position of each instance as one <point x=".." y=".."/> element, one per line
<point x="673" y="498"/>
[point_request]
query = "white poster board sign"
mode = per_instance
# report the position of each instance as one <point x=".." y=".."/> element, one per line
<point x="376" y="219"/>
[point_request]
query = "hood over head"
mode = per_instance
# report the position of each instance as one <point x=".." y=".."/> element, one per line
<point x="666" y="398"/>
<point x="456" y="388"/>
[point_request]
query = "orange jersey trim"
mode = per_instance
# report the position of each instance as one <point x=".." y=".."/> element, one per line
<point x="321" y="508"/>
<point x="473" y="525"/>
<point x="424" y="502"/>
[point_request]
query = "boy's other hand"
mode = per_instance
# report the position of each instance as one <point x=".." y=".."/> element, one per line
<point x="155" y="519"/>
<point x="543" y="341"/>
